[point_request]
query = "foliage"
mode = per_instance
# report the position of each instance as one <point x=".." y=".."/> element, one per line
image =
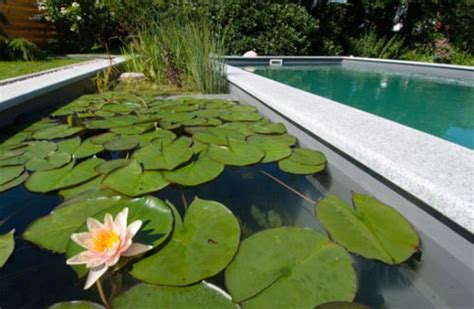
<point x="186" y="55"/>
<point x="369" y="45"/>
<point x="80" y="24"/>
<point x="24" y="50"/>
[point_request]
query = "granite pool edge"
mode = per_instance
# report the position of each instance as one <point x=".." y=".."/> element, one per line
<point x="437" y="172"/>
<point x="17" y="92"/>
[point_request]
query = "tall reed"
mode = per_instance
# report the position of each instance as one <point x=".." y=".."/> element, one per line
<point x="181" y="54"/>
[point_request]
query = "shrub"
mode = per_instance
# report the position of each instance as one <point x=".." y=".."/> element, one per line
<point x="80" y="24"/>
<point x="186" y="55"/>
<point x="22" y="49"/>
<point x="369" y="45"/>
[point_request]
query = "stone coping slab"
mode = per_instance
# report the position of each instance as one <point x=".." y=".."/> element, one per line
<point x="437" y="172"/>
<point x="21" y="90"/>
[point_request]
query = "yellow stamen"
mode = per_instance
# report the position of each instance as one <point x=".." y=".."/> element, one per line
<point x="104" y="239"/>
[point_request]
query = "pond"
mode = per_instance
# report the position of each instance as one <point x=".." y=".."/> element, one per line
<point x="251" y="234"/>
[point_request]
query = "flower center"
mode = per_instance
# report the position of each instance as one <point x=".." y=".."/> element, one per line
<point x="104" y="239"/>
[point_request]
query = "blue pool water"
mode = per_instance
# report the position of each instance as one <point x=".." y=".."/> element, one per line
<point x="439" y="106"/>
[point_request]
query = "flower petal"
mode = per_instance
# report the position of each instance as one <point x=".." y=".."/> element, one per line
<point x="93" y="224"/>
<point x="82" y="239"/>
<point x="133" y="228"/>
<point x="94" y="275"/>
<point x="109" y="222"/>
<point x="81" y="258"/>
<point x="121" y="221"/>
<point x="135" y="249"/>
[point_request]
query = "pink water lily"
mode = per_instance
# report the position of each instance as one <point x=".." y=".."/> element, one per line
<point x="106" y="243"/>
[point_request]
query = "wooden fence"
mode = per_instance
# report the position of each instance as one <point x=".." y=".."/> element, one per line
<point x="22" y="21"/>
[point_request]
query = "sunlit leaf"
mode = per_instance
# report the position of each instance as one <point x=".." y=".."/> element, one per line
<point x="122" y="143"/>
<point x="195" y="173"/>
<point x="76" y="304"/>
<point x="10" y="172"/>
<point x="54" y="160"/>
<point x="303" y="161"/>
<point x="239" y="153"/>
<point x="290" y="267"/>
<point x="370" y="229"/>
<point x="59" y="131"/>
<point x="201" y="248"/>
<point x="7" y="245"/>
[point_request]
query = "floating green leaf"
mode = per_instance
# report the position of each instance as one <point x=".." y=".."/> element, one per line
<point x="241" y="116"/>
<point x="286" y="139"/>
<point x="274" y="151"/>
<point x="157" y="221"/>
<point x="195" y="173"/>
<point x="9" y="173"/>
<point x="103" y="138"/>
<point x="46" y="181"/>
<point x="108" y="166"/>
<point x="290" y="267"/>
<point x="76" y="304"/>
<point x="122" y="143"/>
<point x="372" y="229"/>
<point x="112" y="122"/>
<point x="303" y="161"/>
<point x="159" y="155"/>
<point x="78" y="150"/>
<point x="270" y="128"/>
<point x="14" y="182"/>
<point x="201" y="248"/>
<point x="59" y="131"/>
<point x="53" y="231"/>
<point x="199" y="296"/>
<point x="93" y="184"/>
<point x="54" y="160"/>
<point x="239" y="153"/>
<point x="217" y="136"/>
<point x="40" y="149"/>
<point x="131" y="180"/>
<point x="165" y="135"/>
<point x="133" y="130"/>
<point x="7" y="245"/>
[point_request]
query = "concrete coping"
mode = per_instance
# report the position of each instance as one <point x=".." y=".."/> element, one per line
<point x="437" y="172"/>
<point x="23" y="89"/>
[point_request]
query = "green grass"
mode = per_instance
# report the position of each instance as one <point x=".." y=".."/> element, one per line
<point x="9" y="69"/>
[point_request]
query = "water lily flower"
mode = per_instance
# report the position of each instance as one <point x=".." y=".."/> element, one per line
<point x="105" y="243"/>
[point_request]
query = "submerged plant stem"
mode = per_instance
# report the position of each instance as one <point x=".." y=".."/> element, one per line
<point x="306" y="198"/>
<point x="101" y="293"/>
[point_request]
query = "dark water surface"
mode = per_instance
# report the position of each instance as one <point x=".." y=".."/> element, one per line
<point x="438" y="106"/>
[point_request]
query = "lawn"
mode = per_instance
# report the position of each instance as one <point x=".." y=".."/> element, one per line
<point x="9" y="69"/>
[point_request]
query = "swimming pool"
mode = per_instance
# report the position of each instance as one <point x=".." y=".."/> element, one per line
<point x="443" y="107"/>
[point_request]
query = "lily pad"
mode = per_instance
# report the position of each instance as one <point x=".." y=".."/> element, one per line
<point x="165" y="135"/>
<point x="239" y="153"/>
<point x="122" y="143"/>
<point x="103" y="138"/>
<point x="372" y="229"/>
<point x="76" y="304"/>
<point x="108" y="166"/>
<point x="14" y="182"/>
<point x="241" y="127"/>
<point x="9" y="173"/>
<point x="290" y="267"/>
<point x="195" y="173"/>
<point x="69" y="175"/>
<point x="270" y="128"/>
<point x="133" y="130"/>
<point x="199" y="296"/>
<point x="274" y="151"/>
<point x="217" y="136"/>
<point x="131" y="180"/>
<point x="7" y="245"/>
<point x="40" y="149"/>
<point x="59" y="131"/>
<point x="303" y="161"/>
<point x="112" y="122"/>
<point x="241" y="116"/>
<point x="286" y="139"/>
<point x="54" y="160"/>
<point x="157" y="221"/>
<point x="159" y="155"/>
<point x="341" y="305"/>
<point x="93" y="184"/>
<point x="78" y="149"/>
<point x="199" y="249"/>
<point x="53" y="231"/>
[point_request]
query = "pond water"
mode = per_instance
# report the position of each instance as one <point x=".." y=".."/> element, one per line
<point x="439" y="106"/>
<point x="35" y="278"/>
